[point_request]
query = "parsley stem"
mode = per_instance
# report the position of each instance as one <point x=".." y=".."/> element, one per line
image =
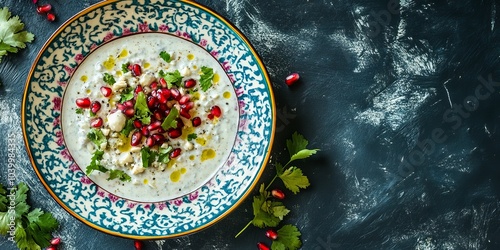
<point x="269" y="185"/>
<point x="241" y="231"/>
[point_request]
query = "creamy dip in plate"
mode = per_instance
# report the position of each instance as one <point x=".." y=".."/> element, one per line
<point x="131" y="156"/>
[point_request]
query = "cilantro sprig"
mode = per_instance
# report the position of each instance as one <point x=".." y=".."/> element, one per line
<point x="269" y="212"/>
<point x="172" y="78"/>
<point x="165" y="56"/>
<point x="33" y="229"/>
<point x="12" y="36"/>
<point x="206" y="78"/>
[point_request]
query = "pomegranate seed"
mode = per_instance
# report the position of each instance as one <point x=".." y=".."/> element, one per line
<point x="145" y="131"/>
<point x="189" y="83"/>
<point x="129" y="104"/>
<point x="292" y="78"/>
<point x="185" y="113"/>
<point x="278" y="194"/>
<point x="95" y="107"/>
<point x="121" y="107"/>
<point x="175" y="153"/>
<point x="162" y="99"/>
<point x="161" y="130"/>
<point x="151" y="101"/>
<point x="216" y="111"/>
<point x="96" y="122"/>
<point x="188" y="105"/>
<point x="44" y="8"/>
<point x="174" y="133"/>
<point x="35" y="1"/>
<point x="210" y="116"/>
<point x="154" y="125"/>
<point x="138" y="245"/>
<point x="55" y="241"/>
<point x="163" y="107"/>
<point x="51" y="248"/>
<point x="136" y="70"/>
<point x="154" y="85"/>
<point x="196" y="121"/>
<point x="129" y="112"/>
<point x="106" y="91"/>
<point x="165" y="92"/>
<point x="150" y="142"/>
<point x="158" y="115"/>
<point x="83" y="102"/>
<point x="136" y="138"/>
<point x="175" y="94"/>
<point x="163" y="83"/>
<point x="51" y="17"/>
<point x="138" y="89"/>
<point x="184" y="99"/>
<point x="271" y="234"/>
<point x="137" y="124"/>
<point x="159" y="138"/>
<point x="262" y="246"/>
<point x="180" y="123"/>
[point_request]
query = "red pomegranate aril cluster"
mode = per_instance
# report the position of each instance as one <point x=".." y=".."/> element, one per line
<point x="45" y="9"/>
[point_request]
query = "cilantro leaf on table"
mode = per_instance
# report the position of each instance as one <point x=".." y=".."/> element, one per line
<point x="303" y="154"/>
<point x="40" y="226"/>
<point x="32" y="229"/>
<point x="267" y="213"/>
<point x="296" y="144"/>
<point x="288" y="238"/>
<point x="109" y="79"/>
<point x="121" y="175"/>
<point x="96" y="136"/>
<point x="171" y="119"/>
<point x="3" y="199"/>
<point x="165" y="56"/>
<point x="206" y="78"/>
<point x="294" y="179"/>
<point x="12" y="36"/>
<point x="141" y="108"/>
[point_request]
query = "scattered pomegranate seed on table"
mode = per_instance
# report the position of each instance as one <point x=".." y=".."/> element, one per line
<point x="138" y="245"/>
<point x="262" y="246"/>
<point x="51" y="17"/>
<point x="55" y="241"/>
<point x="42" y="9"/>
<point x="278" y="194"/>
<point x="51" y="248"/>
<point x="271" y="234"/>
<point x="292" y="78"/>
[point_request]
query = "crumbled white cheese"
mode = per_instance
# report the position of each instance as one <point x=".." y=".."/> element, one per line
<point x="105" y="131"/>
<point x="137" y="168"/>
<point x="146" y="79"/>
<point x="185" y="71"/>
<point x="125" y="158"/>
<point x="188" y="146"/>
<point x="119" y="85"/>
<point x="116" y="121"/>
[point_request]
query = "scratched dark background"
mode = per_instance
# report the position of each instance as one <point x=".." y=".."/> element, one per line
<point x="402" y="98"/>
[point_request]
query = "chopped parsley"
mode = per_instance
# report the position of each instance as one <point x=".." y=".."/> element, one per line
<point x="129" y="126"/>
<point x="96" y="136"/>
<point x="116" y="173"/>
<point x="109" y="79"/>
<point x="95" y="163"/>
<point x="192" y="136"/>
<point x="142" y="111"/>
<point x="172" y="78"/>
<point x="164" y="154"/>
<point x="165" y="56"/>
<point x="125" y="67"/>
<point x="206" y="78"/>
<point x="171" y="119"/>
<point x="79" y="111"/>
<point x="127" y="94"/>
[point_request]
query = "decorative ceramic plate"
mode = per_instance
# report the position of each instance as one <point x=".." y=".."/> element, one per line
<point x="44" y="108"/>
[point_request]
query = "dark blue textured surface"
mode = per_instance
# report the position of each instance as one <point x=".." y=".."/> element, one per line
<point x="376" y="86"/>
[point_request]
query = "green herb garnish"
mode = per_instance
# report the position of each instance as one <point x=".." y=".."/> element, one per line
<point x="96" y="136"/>
<point x="129" y="126"/>
<point x="206" y="78"/>
<point x="148" y="157"/>
<point x="125" y="67"/>
<point x="109" y="79"/>
<point x="165" y="56"/>
<point x="172" y="78"/>
<point x="171" y="119"/>
<point x="95" y="163"/>
<point x="192" y="136"/>
<point x="142" y="111"/>
<point x="79" y="111"/>
<point x="127" y="94"/>
<point x="116" y="173"/>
